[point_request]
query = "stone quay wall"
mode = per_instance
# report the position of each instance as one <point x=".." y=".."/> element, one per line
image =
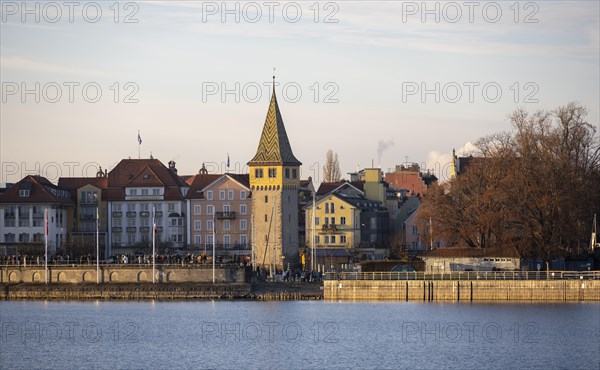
<point x="120" y="274"/>
<point x="463" y="290"/>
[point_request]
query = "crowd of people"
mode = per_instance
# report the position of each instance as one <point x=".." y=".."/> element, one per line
<point x="168" y="259"/>
<point x="289" y="275"/>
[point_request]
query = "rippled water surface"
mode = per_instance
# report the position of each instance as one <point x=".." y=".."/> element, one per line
<point x="245" y="334"/>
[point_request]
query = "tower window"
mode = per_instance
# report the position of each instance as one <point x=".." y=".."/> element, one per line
<point x="294" y="173"/>
<point x="266" y="199"/>
<point x="266" y="218"/>
<point x="287" y="173"/>
<point x="258" y="173"/>
<point x="272" y="173"/>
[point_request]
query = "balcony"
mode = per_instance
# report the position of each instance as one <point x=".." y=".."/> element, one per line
<point x="88" y="202"/>
<point x="9" y="215"/>
<point x="144" y="229"/>
<point x="37" y="215"/>
<point x="159" y="229"/>
<point x="117" y="229"/>
<point x="330" y="228"/>
<point x="131" y="229"/>
<point x="87" y="216"/>
<point x="158" y="214"/>
<point x="23" y="215"/>
<point x="225" y="215"/>
<point x="144" y="214"/>
<point x="117" y="214"/>
<point x="131" y="213"/>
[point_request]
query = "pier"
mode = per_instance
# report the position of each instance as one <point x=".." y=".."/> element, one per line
<point x="463" y="286"/>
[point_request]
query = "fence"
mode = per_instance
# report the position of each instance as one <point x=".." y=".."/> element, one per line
<point x="466" y="275"/>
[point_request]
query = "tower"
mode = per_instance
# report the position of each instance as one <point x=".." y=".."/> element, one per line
<point x="274" y="182"/>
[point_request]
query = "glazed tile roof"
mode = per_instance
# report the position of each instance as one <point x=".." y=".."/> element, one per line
<point x="274" y="147"/>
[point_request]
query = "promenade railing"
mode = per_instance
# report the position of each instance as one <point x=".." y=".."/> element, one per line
<point x="466" y="275"/>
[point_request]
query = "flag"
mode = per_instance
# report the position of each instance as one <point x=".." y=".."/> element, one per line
<point x="139" y="138"/>
<point x="153" y="220"/>
<point x="227" y="160"/>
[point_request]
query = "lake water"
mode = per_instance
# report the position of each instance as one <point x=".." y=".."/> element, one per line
<point x="317" y="334"/>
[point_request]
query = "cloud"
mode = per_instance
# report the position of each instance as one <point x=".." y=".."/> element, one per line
<point x="441" y="163"/>
<point x="18" y="63"/>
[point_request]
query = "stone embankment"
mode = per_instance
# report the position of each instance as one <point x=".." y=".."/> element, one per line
<point x="163" y="291"/>
<point x="462" y="291"/>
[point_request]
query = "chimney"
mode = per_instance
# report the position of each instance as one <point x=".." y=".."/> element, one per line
<point x="172" y="167"/>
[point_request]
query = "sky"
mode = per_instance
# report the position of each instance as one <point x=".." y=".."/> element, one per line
<point x="380" y="83"/>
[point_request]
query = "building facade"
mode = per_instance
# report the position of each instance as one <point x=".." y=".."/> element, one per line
<point x="350" y="218"/>
<point x="221" y="202"/>
<point x="411" y="179"/>
<point x="138" y="191"/>
<point x="23" y="209"/>
<point x="90" y="211"/>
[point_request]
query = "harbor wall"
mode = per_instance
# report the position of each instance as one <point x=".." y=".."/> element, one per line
<point x="119" y="274"/>
<point x="463" y="290"/>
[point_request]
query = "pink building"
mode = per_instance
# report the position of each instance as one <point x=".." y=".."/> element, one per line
<point x="222" y="202"/>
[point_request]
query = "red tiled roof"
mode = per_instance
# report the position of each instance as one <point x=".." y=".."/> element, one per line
<point x="40" y="191"/>
<point x="140" y="173"/>
<point x="199" y="182"/>
<point x="128" y="169"/>
<point x="243" y="179"/>
<point x="145" y="177"/>
<point x="74" y="183"/>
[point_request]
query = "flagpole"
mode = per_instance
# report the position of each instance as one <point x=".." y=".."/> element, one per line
<point x="46" y="247"/>
<point x="213" y="243"/>
<point x="97" y="245"/>
<point x="139" y="145"/>
<point x="314" y="231"/>
<point x="153" y="244"/>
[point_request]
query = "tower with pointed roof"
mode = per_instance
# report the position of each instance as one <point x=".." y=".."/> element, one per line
<point x="274" y="182"/>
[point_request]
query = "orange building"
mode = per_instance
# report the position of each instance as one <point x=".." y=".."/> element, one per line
<point x="411" y="179"/>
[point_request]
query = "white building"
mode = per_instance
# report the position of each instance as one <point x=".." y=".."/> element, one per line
<point x="136" y="188"/>
<point x="22" y="214"/>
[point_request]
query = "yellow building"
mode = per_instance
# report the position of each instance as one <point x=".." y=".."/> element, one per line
<point x="274" y="182"/>
<point x="345" y="218"/>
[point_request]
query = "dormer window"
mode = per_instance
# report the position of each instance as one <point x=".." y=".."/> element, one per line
<point x="146" y="176"/>
<point x="24" y="193"/>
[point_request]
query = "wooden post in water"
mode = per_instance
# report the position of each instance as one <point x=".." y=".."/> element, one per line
<point x="471" y="291"/>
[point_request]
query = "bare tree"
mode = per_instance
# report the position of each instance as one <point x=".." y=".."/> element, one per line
<point x="535" y="188"/>
<point x="331" y="169"/>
